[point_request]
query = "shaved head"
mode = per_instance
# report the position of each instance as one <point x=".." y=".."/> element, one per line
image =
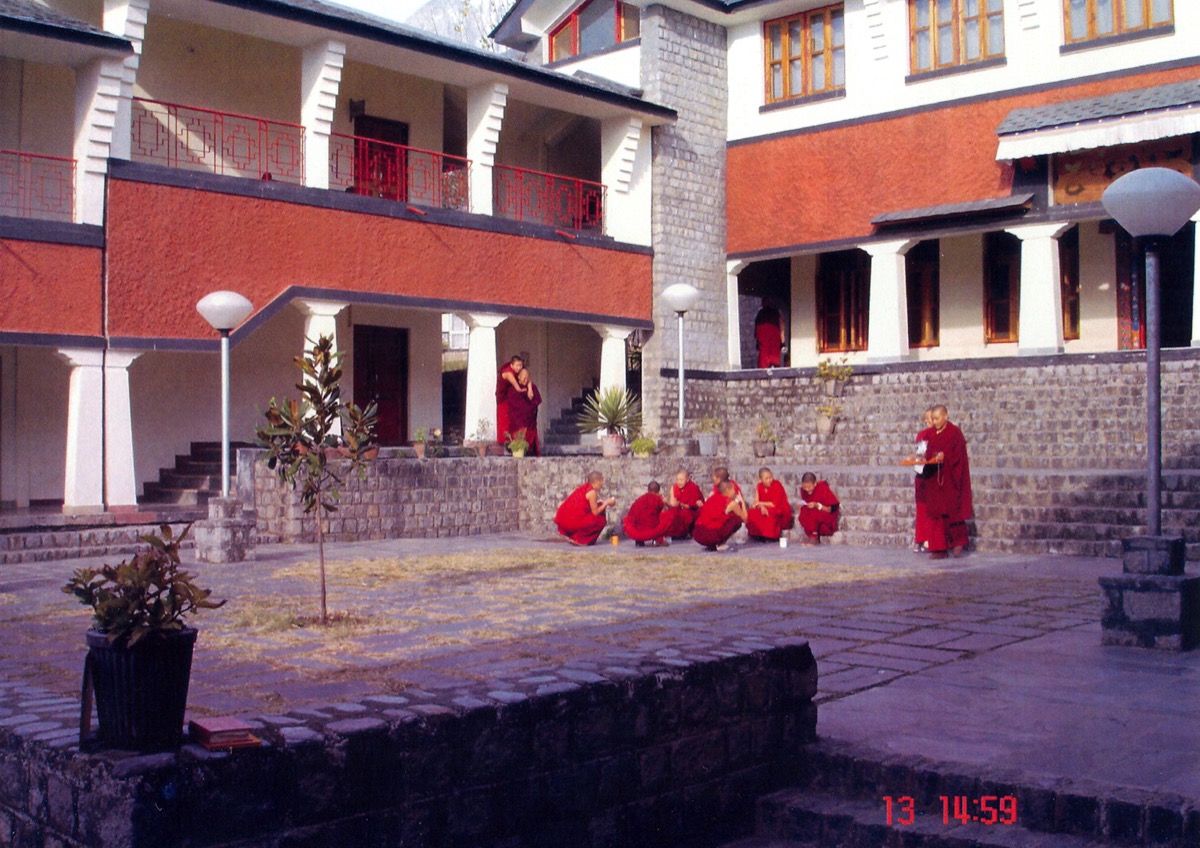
<point x="653" y="487"/>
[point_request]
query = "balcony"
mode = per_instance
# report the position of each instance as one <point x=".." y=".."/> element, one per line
<point x="198" y="139"/>
<point x="520" y="194"/>
<point x="376" y="168"/>
<point x="36" y="186"/>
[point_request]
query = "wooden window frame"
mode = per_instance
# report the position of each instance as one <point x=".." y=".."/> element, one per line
<point x="990" y="334"/>
<point x="854" y="329"/>
<point x="572" y="21"/>
<point x="958" y="24"/>
<point x="806" y="54"/>
<point x="1068" y="266"/>
<point x="1119" y="25"/>
<point x="931" y="317"/>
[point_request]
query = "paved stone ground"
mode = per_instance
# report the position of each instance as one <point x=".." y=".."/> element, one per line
<point x="989" y="660"/>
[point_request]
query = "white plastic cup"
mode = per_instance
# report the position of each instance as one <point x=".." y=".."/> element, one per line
<point x="783" y="541"/>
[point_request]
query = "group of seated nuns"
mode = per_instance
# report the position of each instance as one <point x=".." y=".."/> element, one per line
<point x="684" y="512"/>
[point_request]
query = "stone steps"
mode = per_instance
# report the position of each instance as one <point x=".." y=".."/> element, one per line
<point x="41" y="545"/>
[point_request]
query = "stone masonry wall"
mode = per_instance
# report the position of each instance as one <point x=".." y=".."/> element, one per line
<point x="684" y="67"/>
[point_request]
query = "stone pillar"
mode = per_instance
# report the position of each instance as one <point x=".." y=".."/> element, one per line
<point x="1152" y="604"/>
<point x="83" y="490"/>
<point x="97" y="95"/>
<point x="485" y="117"/>
<point x="1040" y="320"/>
<point x="320" y="79"/>
<point x="227" y="535"/>
<point x="482" y="368"/>
<point x="734" y="318"/>
<point x="120" y="475"/>
<point x="612" y="355"/>
<point x="625" y="172"/>
<point x="1196" y="285"/>
<point x="320" y="319"/>
<point x="126" y="18"/>
<point x="887" y="319"/>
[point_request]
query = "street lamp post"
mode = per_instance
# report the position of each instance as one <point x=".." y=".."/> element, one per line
<point x="680" y="298"/>
<point x="224" y="310"/>
<point x="1153" y="203"/>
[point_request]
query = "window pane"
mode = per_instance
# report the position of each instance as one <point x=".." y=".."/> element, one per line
<point x="995" y="5"/>
<point x="597" y="26"/>
<point x="945" y="45"/>
<point x="1135" y="15"/>
<point x="1078" y="15"/>
<point x="995" y="35"/>
<point x="943" y="11"/>
<point x="817" y="25"/>
<point x="923" y="13"/>
<point x="971" y="7"/>
<point x="818" y="73"/>
<point x="839" y="67"/>
<point x="561" y="44"/>
<point x="796" y="77"/>
<point x="776" y="82"/>
<point x="837" y="28"/>
<point x="795" y="46"/>
<point x="776" y="43"/>
<point x="972" y="39"/>
<point x="631" y="21"/>
<point x="923" y="58"/>
<point x="1104" y="17"/>
<point x="1160" y="11"/>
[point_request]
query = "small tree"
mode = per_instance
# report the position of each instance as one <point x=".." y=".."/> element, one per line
<point x="304" y="443"/>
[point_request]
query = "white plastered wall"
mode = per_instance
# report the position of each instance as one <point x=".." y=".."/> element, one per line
<point x="803" y="334"/>
<point x="397" y="97"/>
<point x="37" y="107"/>
<point x="1097" y="291"/>
<point x="33" y="424"/>
<point x="623" y="66"/>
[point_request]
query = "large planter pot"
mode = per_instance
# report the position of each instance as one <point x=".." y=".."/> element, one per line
<point x="833" y="388"/>
<point x="763" y="449"/>
<point x="611" y="444"/>
<point x="825" y="425"/>
<point x="141" y="692"/>
<point x="707" y="443"/>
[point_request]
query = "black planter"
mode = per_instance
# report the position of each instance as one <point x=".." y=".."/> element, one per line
<point x="141" y="692"/>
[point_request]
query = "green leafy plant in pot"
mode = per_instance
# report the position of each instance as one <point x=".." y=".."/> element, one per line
<point x="613" y="411"/>
<point x="139" y="660"/>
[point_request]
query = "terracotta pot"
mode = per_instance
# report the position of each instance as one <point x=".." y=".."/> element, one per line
<point x="419" y="447"/>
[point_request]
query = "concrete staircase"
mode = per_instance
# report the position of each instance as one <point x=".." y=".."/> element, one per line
<point x="840" y="802"/>
<point x="562" y="437"/>
<point x="195" y="478"/>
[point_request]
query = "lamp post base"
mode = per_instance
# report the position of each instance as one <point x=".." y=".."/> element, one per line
<point x="225" y="536"/>
<point x="1152" y="604"/>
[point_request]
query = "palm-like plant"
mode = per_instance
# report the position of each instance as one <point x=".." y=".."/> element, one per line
<point x="612" y="410"/>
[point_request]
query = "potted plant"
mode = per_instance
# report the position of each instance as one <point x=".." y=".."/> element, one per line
<point x="764" y="440"/>
<point x="480" y="438"/>
<point x="643" y="446"/>
<point x="834" y="375"/>
<point x="517" y="444"/>
<point x="427" y="442"/>
<point x="139" y="659"/>
<point x="707" y="432"/>
<point x="613" y="411"/>
<point x="827" y="415"/>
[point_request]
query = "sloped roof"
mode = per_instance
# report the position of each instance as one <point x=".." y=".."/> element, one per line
<point x="1141" y="100"/>
<point x="34" y="18"/>
<point x="954" y="210"/>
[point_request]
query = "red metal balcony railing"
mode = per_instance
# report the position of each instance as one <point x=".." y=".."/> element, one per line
<point x="523" y="195"/>
<point x="218" y="142"/>
<point x="376" y="168"/>
<point x="36" y="186"/>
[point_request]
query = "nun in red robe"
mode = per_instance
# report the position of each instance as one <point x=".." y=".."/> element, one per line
<point x="948" y="499"/>
<point x="684" y="502"/>
<point x="506" y="381"/>
<point x="770" y="516"/>
<point x="768" y="335"/>
<point x="583" y="516"/>
<point x="819" y="512"/>
<point x="648" y="520"/>
<point x="719" y="475"/>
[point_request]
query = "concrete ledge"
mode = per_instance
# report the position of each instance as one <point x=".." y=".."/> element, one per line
<point x="1151" y="611"/>
<point x="671" y="754"/>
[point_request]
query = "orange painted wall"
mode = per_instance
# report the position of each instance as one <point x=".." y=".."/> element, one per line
<point x="827" y="185"/>
<point x="50" y="288"/>
<point x="168" y="247"/>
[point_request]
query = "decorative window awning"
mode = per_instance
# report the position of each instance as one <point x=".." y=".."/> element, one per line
<point x="970" y="209"/>
<point x="1130" y="117"/>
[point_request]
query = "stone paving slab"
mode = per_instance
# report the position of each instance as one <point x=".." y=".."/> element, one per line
<point x="990" y="659"/>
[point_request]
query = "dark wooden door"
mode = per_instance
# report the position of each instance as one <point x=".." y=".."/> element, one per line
<point x="381" y="157"/>
<point x="381" y="375"/>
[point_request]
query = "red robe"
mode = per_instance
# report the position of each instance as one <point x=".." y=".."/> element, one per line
<point x="778" y="518"/>
<point x="769" y="338"/>
<point x="647" y="520"/>
<point x="818" y="522"/>
<point x="737" y="490"/>
<point x="921" y="523"/>
<point x="522" y="415"/>
<point x="575" y="519"/>
<point x="948" y="500"/>
<point x="713" y="525"/>
<point x="684" y="515"/>
<point x="503" y="387"/>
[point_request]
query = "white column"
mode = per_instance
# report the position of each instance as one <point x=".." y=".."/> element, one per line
<point x="320" y="319"/>
<point x="887" y="320"/>
<point x="625" y="172"/>
<point x="482" y="368"/>
<point x="612" y="355"/>
<point x="120" y="476"/>
<point x="84" y="486"/>
<point x="126" y="18"/>
<point x="1040" y="327"/>
<point x="734" y="337"/>
<point x="320" y="80"/>
<point x="97" y="95"/>
<point x="1196" y="285"/>
<point x="485" y="117"/>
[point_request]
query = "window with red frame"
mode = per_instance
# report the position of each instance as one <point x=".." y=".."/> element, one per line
<point x="594" y="26"/>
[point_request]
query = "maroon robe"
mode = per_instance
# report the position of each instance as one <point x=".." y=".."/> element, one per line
<point x="503" y="387"/>
<point x="684" y="515"/>
<point x="713" y="525"/>
<point x="522" y="415"/>
<point x="575" y="519"/>
<point x="647" y="520"/>
<point x="921" y="522"/>
<point x="769" y="337"/>
<point x="818" y="522"/>
<point x="948" y="500"/>
<point x="737" y="490"/>
<point x="778" y="518"/>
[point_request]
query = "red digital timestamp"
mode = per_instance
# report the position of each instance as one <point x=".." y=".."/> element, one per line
<point x="986" y="809"/>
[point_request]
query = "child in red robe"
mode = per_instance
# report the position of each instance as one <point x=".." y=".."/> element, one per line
<point x="721" y="474"/>
<point x="684" y="502"/>
<point x="819" y="512"/>
<point x="648" y="520"/>
<point x="582" y="516"/>
<point x="770" y="516"/>
<point x="522" y="406"/>
<point x="921" y="521"/>
<point x="719" y="518"/>
<point x="506" y="381"/>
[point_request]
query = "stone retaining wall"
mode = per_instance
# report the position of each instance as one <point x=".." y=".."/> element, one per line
<point x="670" y="753"/>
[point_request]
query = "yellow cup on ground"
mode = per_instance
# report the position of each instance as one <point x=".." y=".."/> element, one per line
<point x="615" y="540"/>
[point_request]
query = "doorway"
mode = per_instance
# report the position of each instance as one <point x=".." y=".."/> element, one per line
<point x="770" y="278"/>
<point x="381" y="375"/>
<point x="1176" y="264"/>
<point x="380" y="157"/>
